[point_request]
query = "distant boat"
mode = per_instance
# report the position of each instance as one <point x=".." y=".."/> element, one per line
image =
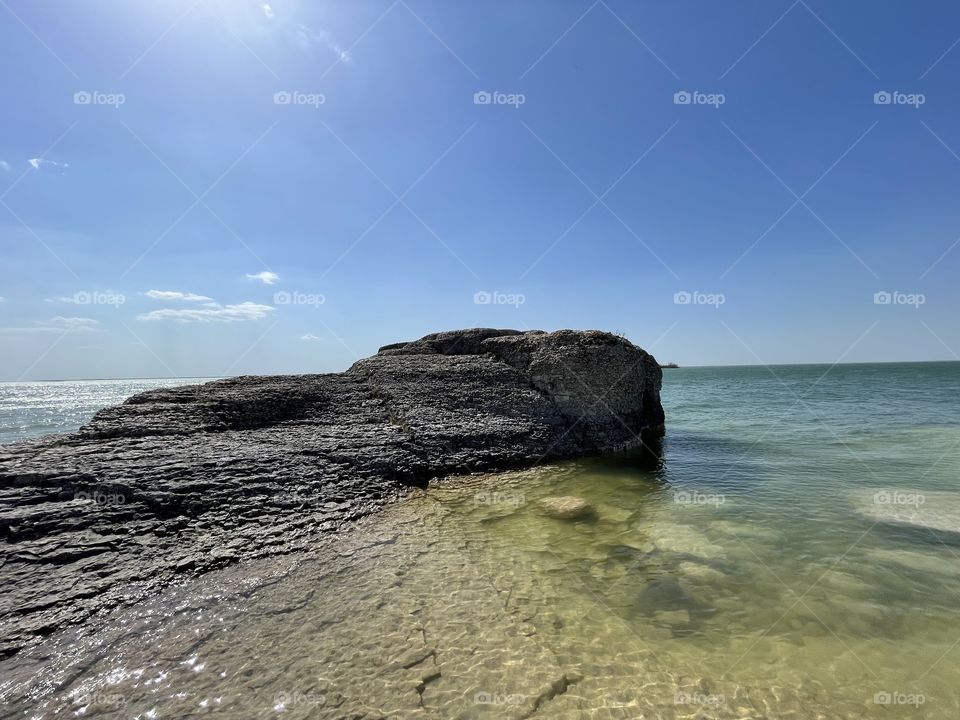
<point x="670" y="365"/>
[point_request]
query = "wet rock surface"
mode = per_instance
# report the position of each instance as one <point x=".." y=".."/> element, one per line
<point x="176" y="482"/>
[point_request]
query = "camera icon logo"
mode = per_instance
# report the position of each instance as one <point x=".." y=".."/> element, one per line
<point x="82" y="98"/>
<point x="682" y="97"/>
<point x="882" y="298"/>
<point x="282" y="97"/>
<point x="682" y="298"/>
<point x="482" y="298"/>
<point x="281" y="297"/>
<point x="482" y="97"/>
<point x="882" y="97"/>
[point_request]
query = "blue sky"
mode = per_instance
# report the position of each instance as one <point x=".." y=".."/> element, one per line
<point x="224" y="187"/>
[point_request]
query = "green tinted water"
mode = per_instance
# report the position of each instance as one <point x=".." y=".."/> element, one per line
<point x="794" y="551"/>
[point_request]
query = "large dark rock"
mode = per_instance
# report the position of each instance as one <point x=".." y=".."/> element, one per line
<point x="183" y="480"/>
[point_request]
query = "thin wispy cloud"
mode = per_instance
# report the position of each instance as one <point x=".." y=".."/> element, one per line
<point x="37" y="163"/>
<point x="299" y="33"/>
<point x="307" y="37"/>
<point x="310" y="337"/>
<point x="4" y="165"/>
<point x="175" y="295"/>
<point x="57" y="324"/>
<point x="211" y="312"/>
<point x="88" y="297"/>
<point x="71" y="324"/>
<point x="266" y="277"/>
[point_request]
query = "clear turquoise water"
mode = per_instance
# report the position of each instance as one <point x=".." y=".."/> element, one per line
<point x="794" y="553"/>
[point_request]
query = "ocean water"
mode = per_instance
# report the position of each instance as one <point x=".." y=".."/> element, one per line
<point x="31" y="409"/>
<point x="792" y="550"/>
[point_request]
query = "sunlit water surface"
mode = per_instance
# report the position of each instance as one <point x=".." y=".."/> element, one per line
<point x="794" y="553"/>
<point x="31" y="409"/>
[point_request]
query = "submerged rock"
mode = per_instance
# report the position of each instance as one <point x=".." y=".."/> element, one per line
<point x="183" y="480"/>
<point x="566" y="508"/>
<point x="698" y="571"/>
<point x="673" y="617"/>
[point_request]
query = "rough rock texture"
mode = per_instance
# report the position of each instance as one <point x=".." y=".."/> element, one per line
<point x="183" y="480"/>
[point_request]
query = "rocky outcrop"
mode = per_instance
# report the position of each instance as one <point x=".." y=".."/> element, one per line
<point x="183" y="480"/>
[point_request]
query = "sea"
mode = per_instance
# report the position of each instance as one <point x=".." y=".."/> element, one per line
<point x="32" y="409"/>
<point x="790" y="550"/>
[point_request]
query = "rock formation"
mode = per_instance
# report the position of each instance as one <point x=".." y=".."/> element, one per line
<point x="183" y="480"/>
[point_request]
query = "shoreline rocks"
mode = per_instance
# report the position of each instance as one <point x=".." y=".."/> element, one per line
<point x="179" y="481"/>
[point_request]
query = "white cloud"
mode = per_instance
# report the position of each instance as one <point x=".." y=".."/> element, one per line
<point x="72" y="324"/>
<point x="4" y="165"/>
<point x="57" y="324"/>
<point x="2" y="299"/>
<point x="91" y="297"/>
<point x="211" y="312"/>
<point x="307" y="37"/>
<point x="37" y="163"/>
<point x="310" y="337"/>
<point x="266" y="277"/>
<point x="175" y="295"/>
<point x="267" y="11"/>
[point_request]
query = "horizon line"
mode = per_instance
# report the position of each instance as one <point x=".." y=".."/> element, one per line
<point x="268" y="374"/>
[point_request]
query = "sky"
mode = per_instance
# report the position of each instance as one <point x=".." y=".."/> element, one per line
<point x="204" y="188"/>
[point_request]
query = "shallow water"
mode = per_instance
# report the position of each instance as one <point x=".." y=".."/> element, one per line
<point x="780" y="559"/>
